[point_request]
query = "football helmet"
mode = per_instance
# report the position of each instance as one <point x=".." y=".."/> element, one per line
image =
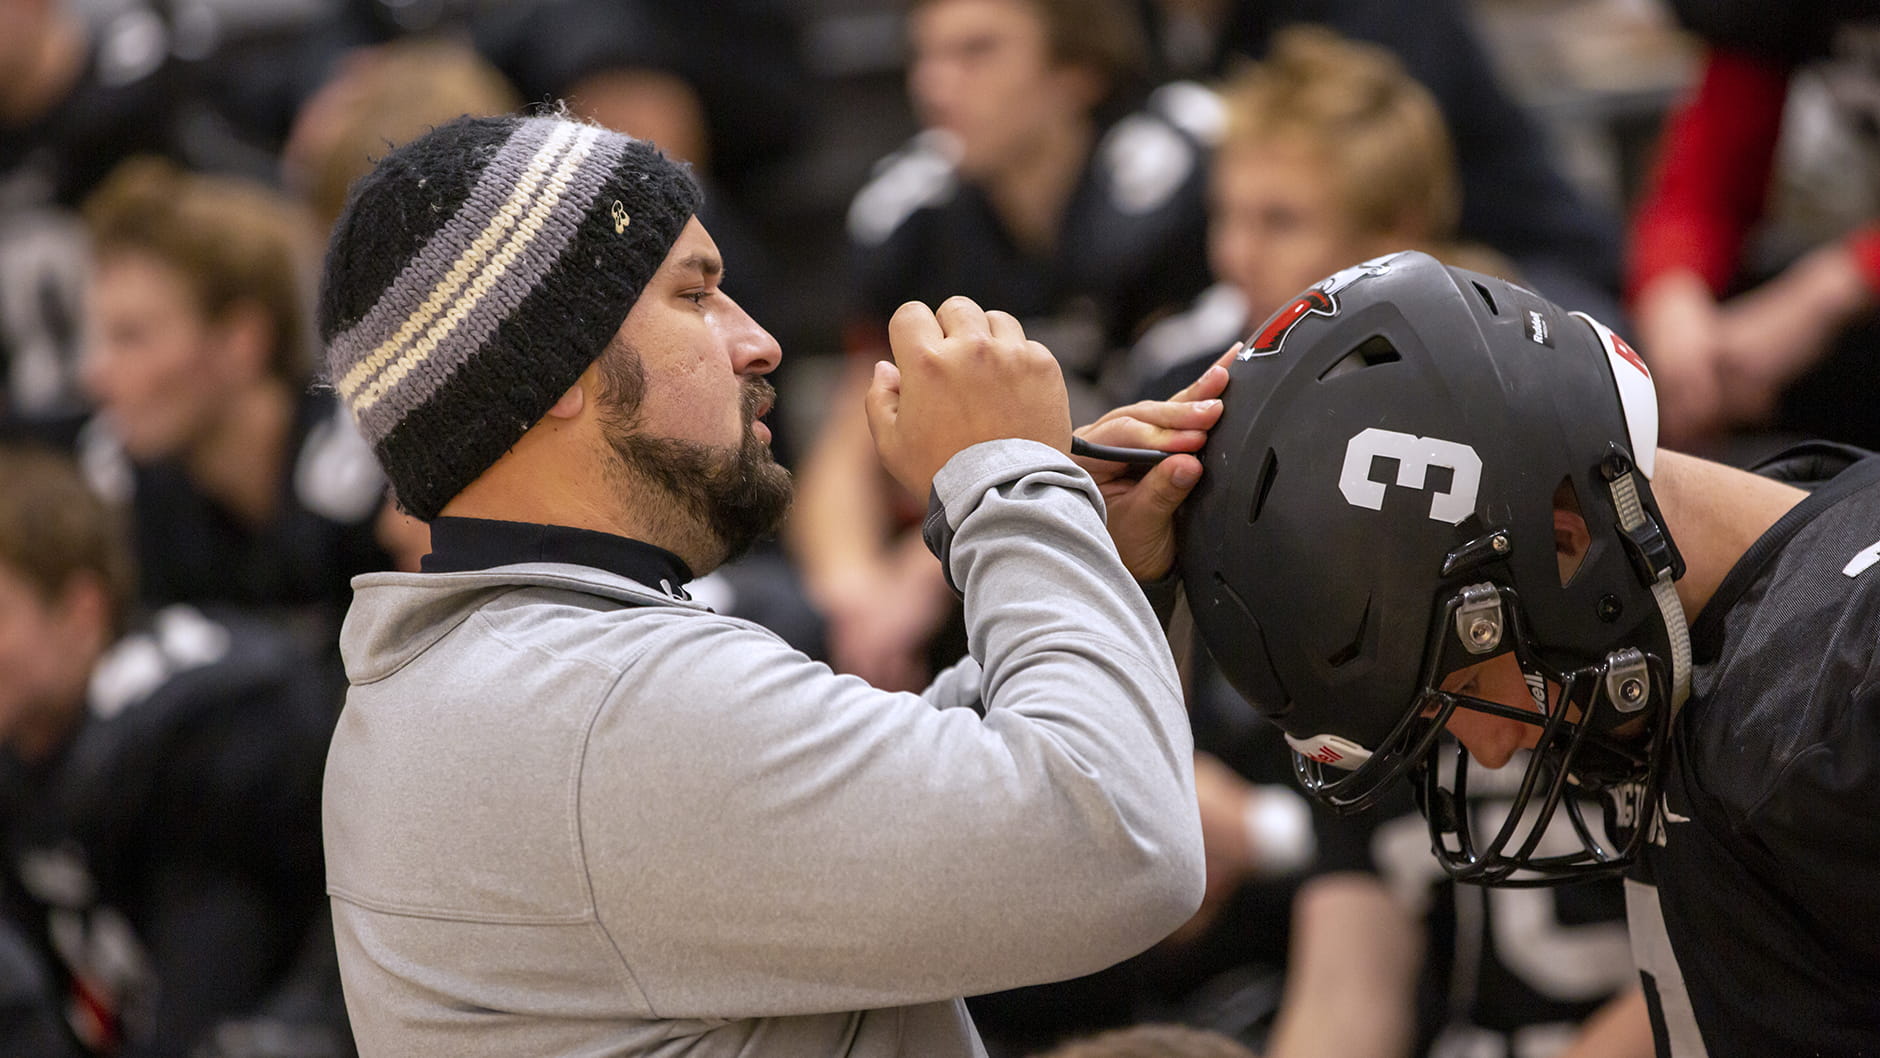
<point x="1377" y="513"/>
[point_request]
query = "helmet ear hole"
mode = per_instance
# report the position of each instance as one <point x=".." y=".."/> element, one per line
<point x="1371" y="352"/>
<point x="1570" y="536"/>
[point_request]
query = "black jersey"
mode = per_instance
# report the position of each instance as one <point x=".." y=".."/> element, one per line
<point x="1130" y="246"/>
<point x="297" y="568"/>
<point x="165" y="862"/>
<point x="1755" y="910"/>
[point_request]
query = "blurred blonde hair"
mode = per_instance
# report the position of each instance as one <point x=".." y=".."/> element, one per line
<point x="1352" y="102"/>
<point x="235" y="242"/>
<point x="383" y="98"/>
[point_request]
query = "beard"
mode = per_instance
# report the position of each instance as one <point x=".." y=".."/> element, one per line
<point x="738" y="495"/>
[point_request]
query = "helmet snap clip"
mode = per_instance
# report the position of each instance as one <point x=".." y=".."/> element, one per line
<point x="1479" y="618"/>
<point x="1628" y="680"/>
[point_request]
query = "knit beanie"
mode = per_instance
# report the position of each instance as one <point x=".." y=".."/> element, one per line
<point x="476" y="272"/>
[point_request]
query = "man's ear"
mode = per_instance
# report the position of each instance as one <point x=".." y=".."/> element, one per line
<point x="571" y="403"/>
<point x="585" y="393"/>
<point x="1571" y="541"/>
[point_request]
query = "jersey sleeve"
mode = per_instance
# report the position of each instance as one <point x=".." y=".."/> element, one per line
<point x="1712" y="174"/>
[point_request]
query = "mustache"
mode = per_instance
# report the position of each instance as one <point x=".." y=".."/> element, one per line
<point x="758" y="395"/>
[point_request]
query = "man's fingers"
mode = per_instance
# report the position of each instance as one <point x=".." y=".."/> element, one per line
<point x="913" y="326"/>
<point x="883" y="401"/>
<point x="1149" y="423"/>
<point x="961" y="317"/>
<point x="1213" y="381"/>
<point x="1005" y="327"/>
<point x="1170" y="481"/>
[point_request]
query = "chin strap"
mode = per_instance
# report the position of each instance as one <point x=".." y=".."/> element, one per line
<point x="1632" y="517"/>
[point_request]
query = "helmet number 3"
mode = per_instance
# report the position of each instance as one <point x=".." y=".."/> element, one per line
<point x="1415" y="456"/>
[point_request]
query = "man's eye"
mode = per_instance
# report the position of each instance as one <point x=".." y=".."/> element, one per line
<point x="697" y="296"/>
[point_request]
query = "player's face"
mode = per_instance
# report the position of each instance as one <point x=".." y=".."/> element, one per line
<point x="1276" y="225"/>
<point x="982" y="70"/>
<point x="1492" y="740"/>
<point x="152" y="362"/>
<point x="42" y="666"/>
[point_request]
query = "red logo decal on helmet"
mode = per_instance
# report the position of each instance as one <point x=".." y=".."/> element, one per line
<point x="1631" y="356"/>
<point x="1273" y="335"/>
<point x="1321" y="300"/>
<point x="1328" y="755"/>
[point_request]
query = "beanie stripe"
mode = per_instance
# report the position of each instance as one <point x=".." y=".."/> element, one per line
<point x="530" y="249"/>
<point x="391" y="320"/>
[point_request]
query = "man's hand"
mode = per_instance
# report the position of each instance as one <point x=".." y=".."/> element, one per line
<point x="961" y="377"/>
<point x="1142" y="510"/>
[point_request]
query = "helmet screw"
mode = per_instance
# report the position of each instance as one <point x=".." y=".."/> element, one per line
<point x="1609" y="608"/>
<point x="1482" y="631"/>
<point x="1632" y="690"/>
<point x="1500" y="543"/>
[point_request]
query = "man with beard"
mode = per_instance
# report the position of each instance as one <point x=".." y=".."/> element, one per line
<point x="568" y="810"/>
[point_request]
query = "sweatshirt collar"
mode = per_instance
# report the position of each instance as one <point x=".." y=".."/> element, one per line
<point x="460" y="545"/>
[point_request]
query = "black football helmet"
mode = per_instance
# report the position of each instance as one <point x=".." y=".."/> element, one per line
<point x="1377" y="513"/>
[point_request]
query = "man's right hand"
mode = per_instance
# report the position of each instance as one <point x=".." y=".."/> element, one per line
<point x="959" y="377"/>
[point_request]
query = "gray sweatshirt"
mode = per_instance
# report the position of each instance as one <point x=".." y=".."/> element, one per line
<point x="568" y="814"/>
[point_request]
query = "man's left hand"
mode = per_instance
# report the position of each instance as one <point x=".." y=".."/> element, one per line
<point x="1142" y="510"/>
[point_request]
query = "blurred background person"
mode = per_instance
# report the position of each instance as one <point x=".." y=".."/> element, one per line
<point x="244" y="486"/>
<point x="1515" y="199"/>
<point x="1782" y="339"/>
<point x="377" y="98"/>
<point x="70" y="110"/>
<point x="1034" y="186"/>
<point x="159" y="794"/>
<point x="1330" y="154"/>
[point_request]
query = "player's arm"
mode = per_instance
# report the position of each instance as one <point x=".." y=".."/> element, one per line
<point x="1355" y="957"/>
<point x="1620" y="1029"/>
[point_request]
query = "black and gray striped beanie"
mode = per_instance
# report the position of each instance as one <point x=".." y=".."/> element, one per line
<point x="476" y="272"/>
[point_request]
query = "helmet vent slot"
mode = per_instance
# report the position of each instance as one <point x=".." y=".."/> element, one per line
<point x="1348" y="653"/>
<point x="1269" y="469"/>
<point x="1371" y="352"/>
<point x="1487" y="298"/>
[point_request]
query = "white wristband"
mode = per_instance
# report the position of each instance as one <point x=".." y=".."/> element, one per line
<point x="1279" y="830"/>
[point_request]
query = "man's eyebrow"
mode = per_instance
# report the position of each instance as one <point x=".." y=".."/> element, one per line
<point x="707" y="265"/>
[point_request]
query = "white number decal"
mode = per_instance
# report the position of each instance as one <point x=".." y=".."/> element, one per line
<point x="1415" y="456"/>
